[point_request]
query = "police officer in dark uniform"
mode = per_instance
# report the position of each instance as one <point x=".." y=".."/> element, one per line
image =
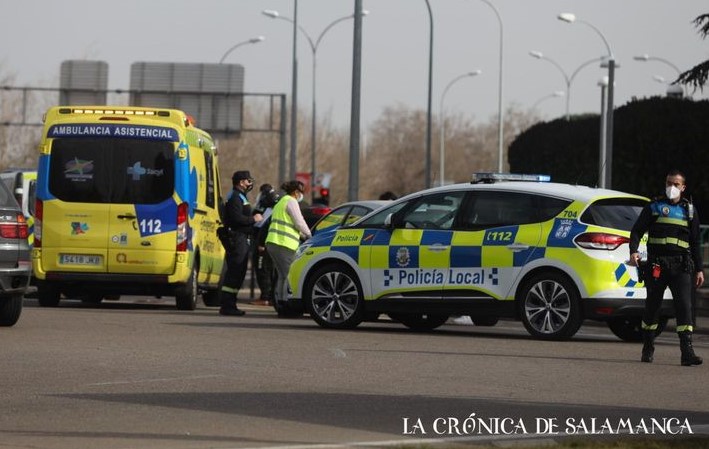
<point x="674" y="261"/>
<point x="239" y="222"/>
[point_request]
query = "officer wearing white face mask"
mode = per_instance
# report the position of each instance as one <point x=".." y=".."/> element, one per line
<point x="674" y="261"/>
<point x="284" y="235"/>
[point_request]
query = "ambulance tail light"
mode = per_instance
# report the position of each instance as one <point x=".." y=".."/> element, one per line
<point x="182" y="227"/>
<point x="600" y="240"/>
<point x="38" y="215"/>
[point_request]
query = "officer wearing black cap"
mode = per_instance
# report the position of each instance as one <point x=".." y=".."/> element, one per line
<point x="239" y="221"/>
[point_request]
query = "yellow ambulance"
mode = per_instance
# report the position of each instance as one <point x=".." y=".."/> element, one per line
<point x="127" y="204"/>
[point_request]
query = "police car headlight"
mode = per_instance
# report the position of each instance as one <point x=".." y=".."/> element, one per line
<point x="302" y="248"/>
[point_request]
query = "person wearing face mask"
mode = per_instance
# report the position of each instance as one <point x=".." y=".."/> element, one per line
<point x="239" y="222"/>
<point x="674" y="260"/>
<point x="284" y="235"/>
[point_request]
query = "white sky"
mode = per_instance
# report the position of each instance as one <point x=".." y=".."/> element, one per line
<point x="38" y="35"/>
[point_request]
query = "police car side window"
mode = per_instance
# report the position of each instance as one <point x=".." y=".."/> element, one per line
<point x="436" y="211"/>
<point x="493" y="209"/>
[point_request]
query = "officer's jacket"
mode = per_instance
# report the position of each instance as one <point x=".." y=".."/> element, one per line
<point x="237" y="213"/>
<point x="672" y="230"/>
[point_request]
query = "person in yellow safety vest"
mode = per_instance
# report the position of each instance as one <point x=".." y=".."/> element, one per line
<point x="284" y="234"/>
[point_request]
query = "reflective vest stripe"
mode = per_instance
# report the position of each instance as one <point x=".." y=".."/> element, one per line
<point x="668" y="241"/>
<point x="674" y="221"/>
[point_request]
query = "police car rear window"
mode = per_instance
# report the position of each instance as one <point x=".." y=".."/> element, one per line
<point x="118" y="171"/>
<point x="616" y="213"/>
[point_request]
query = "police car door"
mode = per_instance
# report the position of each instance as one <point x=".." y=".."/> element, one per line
<point x="496" y="236"/>
<point x="416" y="259"/>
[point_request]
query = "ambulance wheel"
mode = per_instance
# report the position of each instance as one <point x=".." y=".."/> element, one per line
<point x="186" y="296"/>
<point x="629" y="328"/>
<point x="334" y="297"/>
<point x="484" y="320"/>
<point x="419" y="321"/>
<point x="48" y="294"/>
<point x="550" y="306"/>
<point x="10" y="310"/>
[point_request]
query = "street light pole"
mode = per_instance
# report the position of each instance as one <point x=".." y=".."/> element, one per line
<point x="567" y="79"/>
<point x="500" y="111"/>
<point x="645" y="57"/>
<point x="571" y="18"/>
<point x="442" y="148"/>
<point x="314" y="45"/>
<point x="430" y="96"/>
<point x="603" y="84"/>
<point x="253" y="40"/>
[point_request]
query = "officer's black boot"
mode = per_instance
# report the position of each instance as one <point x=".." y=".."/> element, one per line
<point x="648" y="346"/>
<point x="228" y="304"/>
<point x="689" y="358"/>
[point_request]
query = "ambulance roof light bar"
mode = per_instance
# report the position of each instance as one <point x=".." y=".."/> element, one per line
<point x="491" y="178"/>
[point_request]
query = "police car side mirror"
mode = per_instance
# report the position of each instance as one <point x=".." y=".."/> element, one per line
<point x="387" y="221"/>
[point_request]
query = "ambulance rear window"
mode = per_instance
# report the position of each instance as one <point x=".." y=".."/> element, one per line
<point x="118" y="171"/>
<point x="616" y="213"/>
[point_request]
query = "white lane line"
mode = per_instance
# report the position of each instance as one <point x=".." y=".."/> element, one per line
<point x="164" y="379"/>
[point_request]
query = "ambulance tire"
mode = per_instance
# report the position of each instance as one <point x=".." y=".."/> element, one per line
<point x="186" y="296"/>
<point x="48" y="294"/>
<point x="420" y="322"/>
<point x="333" y="297"/>
<point x="10" y="310"/>
<point x="550" y="306"/>
<point x="628" y="328"/>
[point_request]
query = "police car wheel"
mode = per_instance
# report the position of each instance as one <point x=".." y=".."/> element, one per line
<point x="484" y="320"/>
<point x="48" y="294"/>
<point x="186" y="296"/>
<point x="420" y="322"/>
<point x="550" y="307"/>
<point x="629" y="328"/>
<point x="334" y="297"/>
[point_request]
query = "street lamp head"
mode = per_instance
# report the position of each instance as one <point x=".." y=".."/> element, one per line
<point x="270" y="13"/>
<point x="559" y="93"/>
<point x="536" y="54"/>
<point x="659" y="79"/>
<point x="567" y="17"/>
<point x="257" y="39"/>
<point x="365" y="12"/>
<point x="603" y="82"/>
<point x="643" y="57"/>
<point x="475" y="72"/>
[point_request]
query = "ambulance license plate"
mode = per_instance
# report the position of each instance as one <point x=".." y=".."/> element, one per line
<point x="79" y="259"/>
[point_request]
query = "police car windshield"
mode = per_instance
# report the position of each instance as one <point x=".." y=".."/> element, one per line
<point x="617" y="213"/>
<point x="119" y="171"/>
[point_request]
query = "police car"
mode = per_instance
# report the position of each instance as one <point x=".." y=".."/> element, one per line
<point x="548" y="254"/>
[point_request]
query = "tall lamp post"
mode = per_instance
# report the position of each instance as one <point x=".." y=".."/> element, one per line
<point x="427" y="169"/>
<point x="253" y="40"/>
<point x="571" y="18"/>
<point x="568" y="79"/>
<point x="645" y="57"/>
<point x="443" y="121"/>
<point x="555" y="94"/>
<point x="500" y="110"/>
<point x="314" y="45"/>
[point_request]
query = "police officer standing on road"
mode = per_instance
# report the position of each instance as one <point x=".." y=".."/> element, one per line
<point x="239" y="221"/>
<point x="674" y="260"/>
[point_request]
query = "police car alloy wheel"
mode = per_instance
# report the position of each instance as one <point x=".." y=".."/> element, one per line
<point x="550" y="307"/>
<point x="334" y="297"/>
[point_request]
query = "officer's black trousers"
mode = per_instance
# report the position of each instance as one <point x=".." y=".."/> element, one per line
<point x="237" y="259"/>
<point x="678" y="277"/>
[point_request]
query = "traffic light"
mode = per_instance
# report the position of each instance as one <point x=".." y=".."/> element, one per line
<point x="324" y="197"/>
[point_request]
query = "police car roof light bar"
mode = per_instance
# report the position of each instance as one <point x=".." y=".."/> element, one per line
<point x="490" y="178"/>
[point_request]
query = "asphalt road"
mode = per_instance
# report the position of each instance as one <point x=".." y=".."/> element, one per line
<point x="140" y="374"/>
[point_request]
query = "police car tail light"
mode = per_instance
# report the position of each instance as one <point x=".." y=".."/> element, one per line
<point x="182" y="227"/>
<point x="600" y="240"/>
<point x="38" y="215"/>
